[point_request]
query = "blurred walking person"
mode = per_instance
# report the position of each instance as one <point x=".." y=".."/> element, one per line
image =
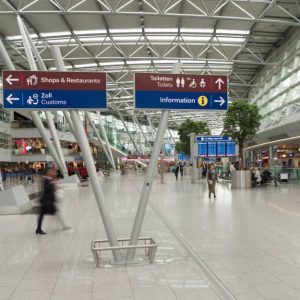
<point x="1" y="181"/>
<point x="176" y="171"/>
<point x="211" y="180"/>
<point x="48" y="200"/>
<point x="181" y="166"/>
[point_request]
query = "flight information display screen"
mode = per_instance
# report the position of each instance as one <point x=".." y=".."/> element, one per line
<point x="202" y="149"/>
<point x="215" y="146"/>
<point x="211" y="149"/>
<point x="230" y="148"/>
<point x="221" y="148"/>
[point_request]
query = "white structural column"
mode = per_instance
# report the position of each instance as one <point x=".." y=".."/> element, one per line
<point x="128" y="132"/>
<point x="59" y="64"/>
<point x="106" y="140"/>
<point x="194" y="156"/>
<point x="89" y="161"/>
<point x="141" y="130"/>
<point x="144" y="198"/>
<point x="48" y="114"/>
<point x="99" y="139"/>
<point x="37" y="121"/>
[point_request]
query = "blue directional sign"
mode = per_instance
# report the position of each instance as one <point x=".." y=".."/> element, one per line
<point x="37" y="90"/>
<point x="212" y="138"/>
<point x="180" y="92"/>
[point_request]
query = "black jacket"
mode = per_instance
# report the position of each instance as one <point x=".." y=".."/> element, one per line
<point x="48" y="197"/>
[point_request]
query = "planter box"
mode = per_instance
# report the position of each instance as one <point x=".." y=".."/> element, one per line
<point x="241" y="179"/>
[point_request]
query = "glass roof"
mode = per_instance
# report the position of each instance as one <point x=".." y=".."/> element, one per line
<point x="233" y="38"/>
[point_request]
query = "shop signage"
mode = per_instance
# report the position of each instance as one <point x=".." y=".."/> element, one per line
<point x="180" y="91"/>
<point x="39" y="90"/>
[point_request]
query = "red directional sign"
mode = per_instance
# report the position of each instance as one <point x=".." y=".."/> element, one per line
<point x="180" y="91"/>
<point x="38" y="90"/>
<point x="180" y="83"/>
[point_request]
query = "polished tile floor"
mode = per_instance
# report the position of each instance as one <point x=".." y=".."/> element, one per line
<point x="248" y="241"/>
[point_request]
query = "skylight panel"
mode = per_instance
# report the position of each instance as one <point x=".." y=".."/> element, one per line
<point x="127" y="38"/>
<point x="19" y="37"/>
<point x="55" y="33"/>
<point x="138" y="62"/>
<point x="229" y="39"/>
<point x="161" y="38"/>
<point x="196" y="38"/>
<point x="86" y="65"/>
<point x="197" y="30"/>
<point x="92" y="39"/>
<point x="230" y="31"/>
<point x="94" y="31"/>
<point x="161" y="61"/>
<point x="126" y="30"/>
<point x="114" y="63"/>
<point x="59" y="41"/>
<point x="160" y="30"/>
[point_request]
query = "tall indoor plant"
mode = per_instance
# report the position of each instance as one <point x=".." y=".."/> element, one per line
<point x="185" y="129"/>
<point x="241" y="122"/>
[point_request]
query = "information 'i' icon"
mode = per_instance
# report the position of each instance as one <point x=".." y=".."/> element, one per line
<point x="202" y="100"/>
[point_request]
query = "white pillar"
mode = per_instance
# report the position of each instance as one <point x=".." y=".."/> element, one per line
<point x="88" y="159"/>
<point x="99" y="139"/>
<point x="112" y="162"/>
<point x="49" y="117"/>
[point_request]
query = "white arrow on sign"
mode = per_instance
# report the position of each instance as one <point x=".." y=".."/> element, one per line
<point x="9" y="79"/>
<point x="10" y="99"/>
<point x="221" y="101"/>
<point x="219" y="82"/>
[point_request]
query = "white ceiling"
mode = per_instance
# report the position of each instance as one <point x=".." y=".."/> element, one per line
<point x="227" y="37"/>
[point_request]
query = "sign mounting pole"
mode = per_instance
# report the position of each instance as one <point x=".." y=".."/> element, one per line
<point x="144" y="198"/>
<point x="88" y="158"/>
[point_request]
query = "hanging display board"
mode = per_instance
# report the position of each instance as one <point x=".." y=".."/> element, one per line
<point x="180" y="91"/>
<point x="39" y="90"/>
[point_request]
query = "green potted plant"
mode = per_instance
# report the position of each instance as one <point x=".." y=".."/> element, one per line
<point x="241" y="122"/>
<point x="184" y="131"/>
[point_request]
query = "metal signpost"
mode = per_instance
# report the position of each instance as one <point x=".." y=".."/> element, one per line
<point x="40" y="90"/>
<point x="88" y="158"/>
<point x="167" y="92"/>
<point x="143" y="202"/>
<point x="180" y="92"/>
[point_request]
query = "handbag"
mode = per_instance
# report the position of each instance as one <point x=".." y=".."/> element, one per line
<point x="210" y="182"/>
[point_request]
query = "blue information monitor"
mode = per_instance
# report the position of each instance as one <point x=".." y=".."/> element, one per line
<point x="202" y="149"/>
<point x="230" y="148"/>
<point x="221" y="148"/>
<point x="211" y="149"/>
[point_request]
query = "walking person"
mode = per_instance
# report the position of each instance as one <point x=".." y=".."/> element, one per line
<point x="176" y="171"/>
<point x="211" y="180"/>
<point x="48" y="200"/>
<point x="1" y="181"/>
<point x="181" y="166"/>
<point x="204" y="172"/>
<point x="232" y="169"/>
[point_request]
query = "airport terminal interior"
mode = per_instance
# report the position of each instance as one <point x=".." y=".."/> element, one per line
<point x="149" y="149"/>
